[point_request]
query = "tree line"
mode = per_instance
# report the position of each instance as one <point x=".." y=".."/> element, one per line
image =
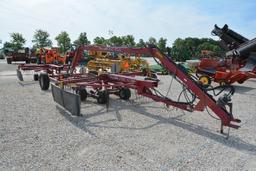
<point x="181" y="50"/>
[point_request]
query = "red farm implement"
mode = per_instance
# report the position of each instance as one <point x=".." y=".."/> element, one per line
<point x="239" y="64"/>
<point x="69" y="88"/>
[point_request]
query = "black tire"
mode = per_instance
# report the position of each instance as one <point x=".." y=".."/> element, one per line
<point x="223" y="83"/>
<point x="240" y="82"/>
<point x="153" y="75"/>
<point x="38" y="60"/>
<point x="27" y="61"/>
<point x="93" y="72"/>
<point x="33" y="60"/>
<point x="125" y="93"/>
<point x="83" y="94"/>
<point x="102" y="97"/>
<point x="44" y="81"/>
<point x="35" y="77"/>
<point x="9" y="60"/>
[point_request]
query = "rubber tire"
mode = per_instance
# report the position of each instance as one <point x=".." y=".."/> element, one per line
<point x="154" y="75"/>
<point x="93" y="73"/>
<point x="83" y="94"/>
<point x="209" y="81"/>
<point x="27" y="61"/>
<point x="125" y="93"/>
<point x="240" y="82"/>
<point x="223" y="83"/>
<point x="36" y="77"/>
<point x="102" y="97"/>
<point x="9" y="60"/>
<point x="44" y="81"/>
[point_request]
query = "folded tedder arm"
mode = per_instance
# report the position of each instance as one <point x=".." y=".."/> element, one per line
<point x="205" y="99"/>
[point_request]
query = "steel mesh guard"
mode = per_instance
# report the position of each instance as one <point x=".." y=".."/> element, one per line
<point x="70" y="101"/>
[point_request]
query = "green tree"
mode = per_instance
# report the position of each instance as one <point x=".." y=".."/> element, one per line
<point x="115" y="41"/>
<point x="63" y="41"/>
<point x="168" y="51"/>
<point x="141" y="43"/>
<point x="209" y="46"/>
<point x="187" y="48"/>
<point x="162" y="44"/>
<point x="41" y="39"/>
<point x="128" y="40"/>
<point x="82" y="40"/>
<point x="152" y="40"/>
<point x="8" y="45"/>
<point x="17" y="42"/>
<point x="100" y="41"/>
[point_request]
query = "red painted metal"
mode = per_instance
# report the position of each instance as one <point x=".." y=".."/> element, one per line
<point x="144" y="87"/>
<point x="225" y="70"/>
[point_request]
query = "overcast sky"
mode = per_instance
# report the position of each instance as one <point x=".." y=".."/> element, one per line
<point x="142" y="18"/>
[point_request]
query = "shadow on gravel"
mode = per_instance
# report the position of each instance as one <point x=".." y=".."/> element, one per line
<point x="242" y="89"/>
<point x="23" y="84"/>
<point x="252" y="80"/>
<point x="83" y="123"/>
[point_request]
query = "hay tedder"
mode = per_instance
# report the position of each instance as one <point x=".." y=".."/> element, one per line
<point x="69" y="88"/>
<point x="239" y="64"/>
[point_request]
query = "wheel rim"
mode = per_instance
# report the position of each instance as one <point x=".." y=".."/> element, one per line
<point x="204" y="80"/>
<point x="222" y="83"/>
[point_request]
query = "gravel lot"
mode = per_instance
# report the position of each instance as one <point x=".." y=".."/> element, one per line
<point x="35" y="134"/>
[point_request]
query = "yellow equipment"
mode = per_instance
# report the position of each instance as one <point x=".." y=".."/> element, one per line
<point x="109" y="62"/>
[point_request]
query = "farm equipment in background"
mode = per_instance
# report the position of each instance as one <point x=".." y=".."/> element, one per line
<point x="115" y="62"/>
<point x="2" y="55"/>
<point x="19" y="55"/>
<point x="229" y="38"/>
<point x="239" y="64"/>
<point x="69" y="87"/>
<point x="51" y="56"/>
<point x="158" y="69"/>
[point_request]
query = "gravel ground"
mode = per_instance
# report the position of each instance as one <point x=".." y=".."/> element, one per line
<point x="35" y="134"/>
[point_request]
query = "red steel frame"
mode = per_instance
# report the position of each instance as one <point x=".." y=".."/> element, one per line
<point x="229" y="72"/>
<point x="143" y="87"/>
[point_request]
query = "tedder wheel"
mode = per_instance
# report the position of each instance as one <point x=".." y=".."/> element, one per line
<point x="153" y="75"/>
<point x="44" y="81"/>
<point x="83" y="94"/>
<point x="222" y="82"/>
<point x="35" y="77"/>
<point x="93" y="72"/>
<point x="125" y="93"/>
<point x="9" y="60"/>
<point x="240" y="82"/>
<point x="205" y="80"/>
<point x="102" y="97"/>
